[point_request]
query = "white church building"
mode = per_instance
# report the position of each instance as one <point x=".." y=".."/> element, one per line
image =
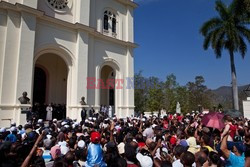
<point x="61" y="50"/>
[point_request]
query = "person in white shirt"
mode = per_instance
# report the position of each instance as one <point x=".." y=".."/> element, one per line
<point x="110" y="112"/>
<point x="49" y="110"/>
<point x="148" y="132"/>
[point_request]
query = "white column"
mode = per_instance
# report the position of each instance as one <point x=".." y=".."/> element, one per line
<point x="82" y="64"/>
<point x="129" y="90"/>
<point x="130" y="25"/>
<point x="3" y="29"/>
<point x="10" y="59"/>
<point x="91" y="71"/>
<point x="80" y="73"/>
<point x="25" y="55"/>
<point x="82" y="12"/>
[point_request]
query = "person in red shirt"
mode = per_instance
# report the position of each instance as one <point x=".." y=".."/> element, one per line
<point x="140" y="141"/>
<point x="165" y="122"/>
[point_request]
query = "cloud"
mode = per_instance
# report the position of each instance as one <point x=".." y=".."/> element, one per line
<point x="144" y="1"/>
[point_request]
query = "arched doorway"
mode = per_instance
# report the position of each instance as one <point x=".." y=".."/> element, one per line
<point x="107" y="93"/>
<point x="50" y="85"/>
<point x="39" y="92"/>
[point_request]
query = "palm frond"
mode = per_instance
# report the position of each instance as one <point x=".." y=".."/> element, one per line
<point x="244" y="32"/>
<point x="210" y="25"/>
<point x="217" y="35"/>
<point x="222" y="9"/>
<point x="218" y="48"/>
<point x="218" y="45"/>
<point x="242" y="47"/>
<point x="207" y="41"/>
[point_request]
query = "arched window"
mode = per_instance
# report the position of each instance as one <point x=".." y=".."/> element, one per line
<point x="109" y="22"/>
<point x="106" y="21"/>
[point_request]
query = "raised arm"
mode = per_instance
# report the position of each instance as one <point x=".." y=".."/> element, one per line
<point x="28" y="158"/>
<point x="226" y="129"/>
<point x="223" y="146"/>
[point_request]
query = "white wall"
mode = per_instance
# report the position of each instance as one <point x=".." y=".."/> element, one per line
<point x="68" y="15"/>
<point x="57" y="77"/>
<point x="246" y="108"/>
<point x="49" y="34"/>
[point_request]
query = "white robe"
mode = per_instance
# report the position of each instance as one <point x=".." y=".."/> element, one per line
<point x="110" y="111"/>
<point x="49" y="110"/>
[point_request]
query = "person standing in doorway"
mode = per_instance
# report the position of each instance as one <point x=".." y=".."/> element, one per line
<point x="110" y="112"/>
<point x="49" y="110"/>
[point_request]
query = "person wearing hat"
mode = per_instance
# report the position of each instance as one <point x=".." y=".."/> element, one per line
<point x="12" y="136"/>
<point x="233" y="152"/>
<point x="94" y="152"/>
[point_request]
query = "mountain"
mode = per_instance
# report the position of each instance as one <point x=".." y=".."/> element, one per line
<point x="226" y="91"/>
<point x="223" y="96"/>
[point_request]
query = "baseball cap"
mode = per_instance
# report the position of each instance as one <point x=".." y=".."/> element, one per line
<point x="55" y="151"/>
<point x="81" y="144"/>
<point x="2" y="130"/>
<point x="121" y="148"/>
<point x="239" y="145"/>
<point x="40" y="121"/>
<point x="95" y="137"/>
<point x="145" y="161"/>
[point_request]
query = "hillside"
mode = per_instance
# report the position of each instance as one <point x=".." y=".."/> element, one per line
<point x="223" y="96"/>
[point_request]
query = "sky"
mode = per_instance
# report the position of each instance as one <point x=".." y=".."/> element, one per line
<point x="167" y="32"/>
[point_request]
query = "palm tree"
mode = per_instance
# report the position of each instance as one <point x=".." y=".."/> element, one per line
<point x="228" y="31"/>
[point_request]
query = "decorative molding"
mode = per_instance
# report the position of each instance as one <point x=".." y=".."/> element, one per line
<point x="128" y="3"/>
<point x="77" y="26"/>
<point x="126" y="106"/>
<point x="15" y="105"/>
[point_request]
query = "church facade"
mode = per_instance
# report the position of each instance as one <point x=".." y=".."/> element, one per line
<point x="59" y="51"/>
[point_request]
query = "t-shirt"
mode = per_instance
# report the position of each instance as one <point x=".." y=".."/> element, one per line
<point x="46" y="156"/>
<point x="95" y="156"/>
<point x="141" y="144"/>
<point x="209" y="148"/>
<point x="234" y="160"/>
<point x="192" y="145"/>
<point x="165" y="124"/>
<point x="148" y="133"/>
<point x="173" y="140"/>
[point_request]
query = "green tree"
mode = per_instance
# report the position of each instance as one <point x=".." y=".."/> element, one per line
<point x="199" y="95"/>
<point x="155" y="94"/>
<point x="182" y="95"/>
<point x="170" y="93"/>
<point x="227" y="31"/>
<point x="140" y="92"/>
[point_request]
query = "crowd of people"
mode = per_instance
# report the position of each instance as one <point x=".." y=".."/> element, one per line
<point x="153" y="141"/>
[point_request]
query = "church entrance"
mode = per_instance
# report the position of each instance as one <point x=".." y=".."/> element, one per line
<point x="108" y="93"/>
<point x="39" y="93"/>
<point x="50" y="86"/>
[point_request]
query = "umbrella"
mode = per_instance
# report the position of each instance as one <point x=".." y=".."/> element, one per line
<point x="213" y="120"/>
